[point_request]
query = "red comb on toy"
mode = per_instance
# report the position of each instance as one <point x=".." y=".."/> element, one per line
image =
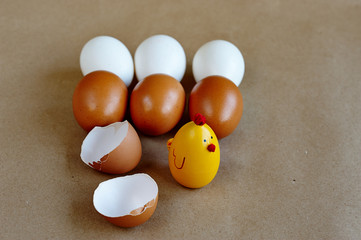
<point x="199" y="119"/>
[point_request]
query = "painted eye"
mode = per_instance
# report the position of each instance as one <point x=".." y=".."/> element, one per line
<point x="211" y="137"/>
<point x="204" y="140"/>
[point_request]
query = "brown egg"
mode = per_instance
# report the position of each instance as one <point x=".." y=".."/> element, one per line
<point x="220" y="101"/>
<point x="99" y="99"/>
<point x="157" y="104"/>
<point x="127" y="201"/>
<point x="114" y="149"/>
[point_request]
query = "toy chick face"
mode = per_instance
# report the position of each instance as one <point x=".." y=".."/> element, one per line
<point x="194" y="154"/>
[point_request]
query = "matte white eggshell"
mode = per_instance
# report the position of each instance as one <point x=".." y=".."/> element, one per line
<point x="160" y="54"/>
<point x="220" y="58"/>
<point x="109" y="54"/>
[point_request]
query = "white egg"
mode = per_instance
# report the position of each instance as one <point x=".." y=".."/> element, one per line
<point x="109" y="54"/>
<point x="160" y="54"/>
<point x="218" y="57"/>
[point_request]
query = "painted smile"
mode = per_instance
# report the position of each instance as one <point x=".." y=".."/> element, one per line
<point x="175" y="164"/>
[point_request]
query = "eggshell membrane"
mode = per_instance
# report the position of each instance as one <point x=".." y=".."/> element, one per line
<point x="127" y="201"/>
<point x="114" y="149"/>
<point x="99" y="99"/>
<point x="218" y="57"/>
<point x="160" y="54"/>
<point x="157" y="104"/>
<point x="109" y="54"/>
<point x="220" y="101"/>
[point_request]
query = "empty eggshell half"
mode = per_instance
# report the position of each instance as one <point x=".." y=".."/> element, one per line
<point x="127" y="201"/>
<point x="114" y="149"/>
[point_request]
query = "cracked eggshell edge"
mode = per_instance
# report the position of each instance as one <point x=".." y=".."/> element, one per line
<point x="127" y="201"/>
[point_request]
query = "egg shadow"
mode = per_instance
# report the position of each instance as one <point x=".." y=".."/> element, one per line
<point x="57" y="117"/>
<point x="56" y="121"/>
<point x="154" y="148"/>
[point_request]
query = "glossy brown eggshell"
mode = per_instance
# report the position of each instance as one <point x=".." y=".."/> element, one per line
<point x="99" y="99"/>
<point x="123" y="158"/>
<point x="136" y="217"/>
<point x="220" y="101"/>
<point x="157" y="104"/>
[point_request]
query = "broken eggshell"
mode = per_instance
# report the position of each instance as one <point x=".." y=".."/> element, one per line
<point x="127" y="201"/>
<point x="113" y="149"/>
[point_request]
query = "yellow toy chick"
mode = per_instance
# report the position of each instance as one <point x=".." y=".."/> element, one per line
<point x="194" y="154"/>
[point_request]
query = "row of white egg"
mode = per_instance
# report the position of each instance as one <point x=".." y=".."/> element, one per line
<point x="161" y="54"/>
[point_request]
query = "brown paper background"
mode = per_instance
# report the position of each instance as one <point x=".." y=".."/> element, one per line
<point x="291" y="170"/>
